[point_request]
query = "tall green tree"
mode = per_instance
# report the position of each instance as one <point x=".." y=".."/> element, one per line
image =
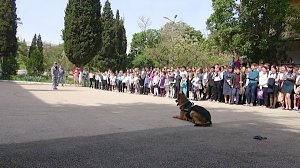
<point x="33" y="45"/>
<point x="263" y="25"/>
<point x="258" y="29"/>
<point x="107" y="56"/>
<point x="35" y="61"/>
<point x="8" y="40"/>
<point x="223" y="24"/>
<point x="39" y="43"/>
<point x="120" y="42"/>
<point x="82" y="32"/>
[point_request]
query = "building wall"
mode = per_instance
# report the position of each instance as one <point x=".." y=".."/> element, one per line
<point x="295" y="52"/>
<point x="295" y="2"/>
<point x="295" y="49"/>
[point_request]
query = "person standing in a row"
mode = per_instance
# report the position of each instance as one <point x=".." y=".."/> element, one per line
<point x="54" y="74"/>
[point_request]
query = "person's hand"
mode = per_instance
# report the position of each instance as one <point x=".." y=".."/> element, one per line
<point x="241" y="82"/>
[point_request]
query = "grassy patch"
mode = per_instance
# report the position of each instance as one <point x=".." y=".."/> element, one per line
<point x="29" y="78"/>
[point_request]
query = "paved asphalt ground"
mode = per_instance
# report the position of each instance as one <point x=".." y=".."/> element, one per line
<point x="82" y="127"/>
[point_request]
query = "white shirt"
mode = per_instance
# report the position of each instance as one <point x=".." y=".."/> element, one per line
<point x="167" y="82"/>
<point x="205" y="76"/>
<point x="280" y="76"/>
<point x="113" y="80"/>
<point x="155" y="80"/>
<point x="183" y="73"/>
<point x="104" y="77"/>
<point x="91" y="75"/>
<point x="218" y="77"/>
<point x="195" y="81"/>
<point x="263" y="80"/>
<point x="97" y="77"/>
<point x="298" y="80"/>
<point x="125" y="79"/>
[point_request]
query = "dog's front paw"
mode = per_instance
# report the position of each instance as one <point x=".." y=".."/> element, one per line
<point x="175" y="116"/>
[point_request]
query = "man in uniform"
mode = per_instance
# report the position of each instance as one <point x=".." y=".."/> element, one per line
<point x="54" y="74"/>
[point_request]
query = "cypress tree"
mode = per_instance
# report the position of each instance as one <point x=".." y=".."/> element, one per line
<point x="120" y="42"/>
<point x="40" y="58"/>
<point x="82" y="33"/>
<point x="8" y="40"/>
<point x="33" y="45"/>
<point x="39" y="43"/>
<point x="35" y="62"/>
<point x="107" y="51"/>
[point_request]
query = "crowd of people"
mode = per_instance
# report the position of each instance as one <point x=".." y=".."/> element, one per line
<point x="262" y="85"/>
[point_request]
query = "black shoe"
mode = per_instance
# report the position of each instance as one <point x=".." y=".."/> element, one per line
<point x="260" y="138"/>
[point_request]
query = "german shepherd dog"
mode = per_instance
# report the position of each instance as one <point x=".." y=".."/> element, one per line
<point x="193" y="113"/>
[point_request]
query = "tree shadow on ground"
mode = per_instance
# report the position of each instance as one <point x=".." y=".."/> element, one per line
<point x="137" y="134"/>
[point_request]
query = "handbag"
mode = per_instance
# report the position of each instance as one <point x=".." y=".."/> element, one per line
<point x="260" y="94"/>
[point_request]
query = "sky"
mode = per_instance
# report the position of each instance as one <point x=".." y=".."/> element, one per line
<point x="46" y="17"/>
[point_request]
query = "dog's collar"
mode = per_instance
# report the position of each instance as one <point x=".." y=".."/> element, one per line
<point x="187" y="106"/>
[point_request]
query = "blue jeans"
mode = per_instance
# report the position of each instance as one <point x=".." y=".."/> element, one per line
<point x="251" y="93"/>
<point x="235" y="94"/>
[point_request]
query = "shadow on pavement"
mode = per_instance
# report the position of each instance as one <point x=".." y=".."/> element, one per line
<point x="135" y="135"/>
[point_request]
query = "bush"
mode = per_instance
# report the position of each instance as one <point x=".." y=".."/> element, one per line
<point x="30" y="78"/>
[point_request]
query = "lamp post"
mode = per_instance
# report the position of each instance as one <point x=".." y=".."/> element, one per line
<point x="172" y="37"/>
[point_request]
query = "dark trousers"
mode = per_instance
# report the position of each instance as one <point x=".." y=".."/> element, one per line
<point x="146" y="89"/>
<point x="177" y="90"/>
<point x="141" y="89"/>
<point x="104" y="85"/>
<point x="91" y="82"/>
<point x="251" y="93"/>
<point x="217" y="91"/>
<point x="97" y="84"/>
<point x="120" y="88"/>
<point x="209" y="91"/>
<point x="162" y="92"/>
<point x="124" y="87"/>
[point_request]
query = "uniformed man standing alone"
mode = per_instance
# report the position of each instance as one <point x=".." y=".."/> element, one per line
<point x="54" y="74"/>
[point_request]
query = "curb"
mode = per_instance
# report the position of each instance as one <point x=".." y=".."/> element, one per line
<point x="27" y="82"/>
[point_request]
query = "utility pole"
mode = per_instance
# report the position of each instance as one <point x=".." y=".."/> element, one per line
<point x="171" y="56"/>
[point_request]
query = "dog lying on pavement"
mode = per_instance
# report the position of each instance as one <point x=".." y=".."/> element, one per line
<point x="193" y="113"/>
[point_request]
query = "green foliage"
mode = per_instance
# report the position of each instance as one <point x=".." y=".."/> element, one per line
<point x="56" y="53"/>
<point x="112" y="54"/>
<point x="39" y="43"/>
<point x="33" y="45"/>
<point x="258" y="29"/>
<point x="144" y="60"/>
<point x="22" y="54"/>
<point x="30" y="78"/>
<point x="9" y="66"/>
<point x="223" y="24"/>
<point x="35" y="61"/>
<point x="175" y="44"/>
<point x="120" y="43"/>
<point x="82" y="33"/>
<point x="8" y="40"/>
